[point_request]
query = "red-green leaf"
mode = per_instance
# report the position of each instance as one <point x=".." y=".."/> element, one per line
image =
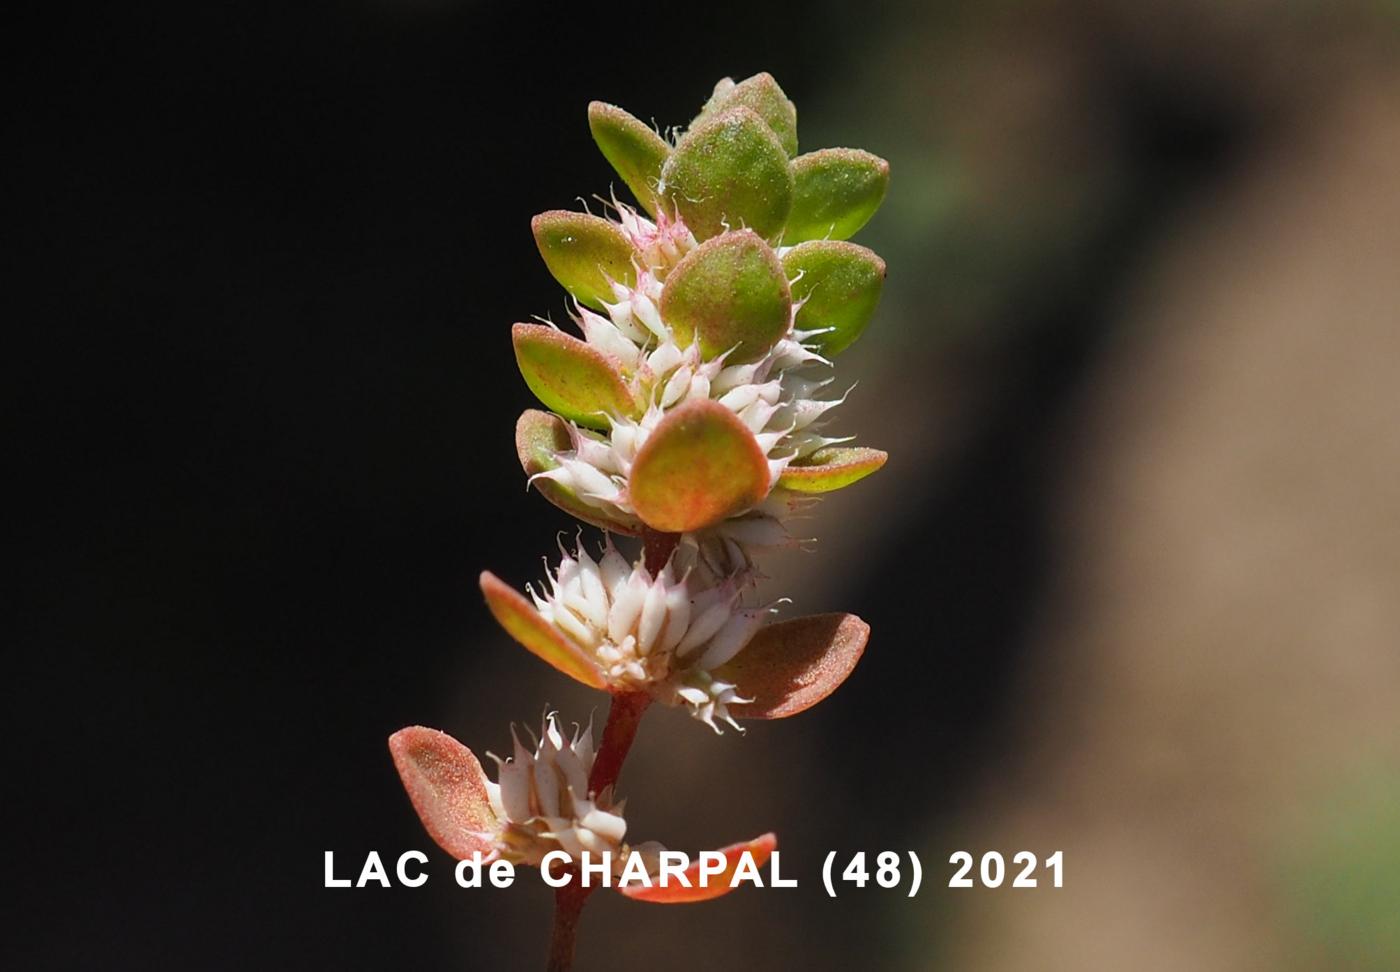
<point x="729" y="293"/>
<point x="584" y="252"/>
<point x="792" y="665"/>
<point x="759" y="850"/>
<point x="830" y="469"/>
<point x="572" y="377"/>
<point x="447" y="787"/>
<point x="835" y="192"/>
<point x="523" y="623"/>
<point x="634" y="150"/>
<point x="729" y="171"/>
<point x="840" y="285"/>
<point x="539" y="437"/>
<point x="700" y="465"/>
<point x="761" y="94"/>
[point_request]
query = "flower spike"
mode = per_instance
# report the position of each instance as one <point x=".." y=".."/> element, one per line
<point x="690" y="414"/>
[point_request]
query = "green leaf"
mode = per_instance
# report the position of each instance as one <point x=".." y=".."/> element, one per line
<point x="571" y="377"/>
<point x="632" y="148"/>
<point x="539" y="437"/>
<point x="447" y="788"/>
<point x="729" y="292"/>
<point x="584" y="252"/>
<point x="700" y="465"/>
<point x="523" y="623"/>
<point x="840" y="284"/>
<point x="761" y="94"/>
<point x="792" y="665"/>
<point x="830" y="469"/>
<point x="835" y="193"/>
<point x="729" y="171"/>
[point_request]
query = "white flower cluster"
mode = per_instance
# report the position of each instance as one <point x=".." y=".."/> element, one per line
<point x="663" y="634"/>
<point x="542" y="800"/>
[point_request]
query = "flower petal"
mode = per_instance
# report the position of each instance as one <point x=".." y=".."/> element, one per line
<point x="632" y="148"/>
<point x="792" y="665"/>
<point x="570" y="377"/>
<point x="523" y="623"/>
<point x="729" y="171"/>
<point x="447" y="787"/>
<point x="700" y="465"/>
<point x="539" y="436"/>
<point x="729" y="294"/>
<point x="830" y="469"/>
<point x="585" y="253"/>
<point x="759" y="849"/>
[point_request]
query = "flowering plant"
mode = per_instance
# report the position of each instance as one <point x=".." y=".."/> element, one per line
<point x="689" y="414"/>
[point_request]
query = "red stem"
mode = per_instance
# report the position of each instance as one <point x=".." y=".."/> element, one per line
<point x="568" y="908"/>
<point x="624" y="716"/>
<point x="658" y="548"/>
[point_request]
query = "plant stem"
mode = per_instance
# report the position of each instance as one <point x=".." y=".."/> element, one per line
<point x="568" y="908"/>
<point x="658" y="547"/>
<point x="624" y="716"/>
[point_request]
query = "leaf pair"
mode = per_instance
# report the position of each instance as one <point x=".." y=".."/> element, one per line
<point x="448" y="790"/>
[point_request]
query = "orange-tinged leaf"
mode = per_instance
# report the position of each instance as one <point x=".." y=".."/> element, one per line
<point x="523" y="623"/>
<point x="792" y="665"/>
<point x="831" y="468"/>
<point x="570" y="376"/>
<point x="700" y="465"/>
<point x="539" y="436"/>
<point x="759" y="849"/>
<point x="447" y="787"/>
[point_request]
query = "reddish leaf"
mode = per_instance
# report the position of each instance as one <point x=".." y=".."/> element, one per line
<point x="523" y="623"/>
<point x="447" y="787"/>
<point x="759" y="849"/>
<point x="700" y="465"/>
<point x="792" y="665"/>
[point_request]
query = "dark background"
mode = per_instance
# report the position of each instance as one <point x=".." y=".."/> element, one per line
<point x="274" y="253"/>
